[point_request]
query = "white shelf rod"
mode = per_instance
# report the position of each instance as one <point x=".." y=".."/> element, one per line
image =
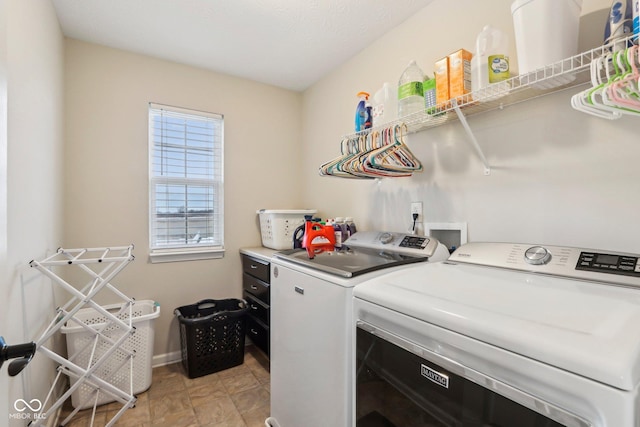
<point x="472" y="137"/>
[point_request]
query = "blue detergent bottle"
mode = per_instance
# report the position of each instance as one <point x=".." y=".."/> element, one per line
<point x="363" y="112"/>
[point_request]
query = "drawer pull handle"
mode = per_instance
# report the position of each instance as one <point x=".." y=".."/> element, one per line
<point x="254" y="307"/>
<point x="253" y="331"/>
<point x="254" y="287"/>
<point x="253" y="266"/>
<point x="299" y="290"/>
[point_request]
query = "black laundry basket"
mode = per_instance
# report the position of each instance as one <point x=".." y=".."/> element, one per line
<point x="212" y="335"/>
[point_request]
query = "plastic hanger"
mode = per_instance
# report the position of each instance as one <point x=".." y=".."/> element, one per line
<point x="336" y="167"/>
<point x="395" y="157"/>
<point x="381" y="170"/>
<point x="624" y="93"/>
<point x="584" y="101"/>
<point x="374" y="155"/>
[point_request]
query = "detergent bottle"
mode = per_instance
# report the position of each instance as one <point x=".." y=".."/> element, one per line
<point x="318" y="238"/>
<point x="385" y="107"/>
<point x="490" y="64"/>
<point x="363" y="112"/>
<point x="351" y="226"/>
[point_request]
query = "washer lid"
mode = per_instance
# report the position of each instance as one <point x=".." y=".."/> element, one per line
<point x="349" y="262"/>
<point x="368" y="251"/>
<point x="587" y="328"/>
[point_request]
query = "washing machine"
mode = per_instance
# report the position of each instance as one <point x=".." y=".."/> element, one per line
<point x="501" y="334"/>
<point x="312" y="317"/>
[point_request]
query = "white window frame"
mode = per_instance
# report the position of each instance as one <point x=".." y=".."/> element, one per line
<point x="192" y="248"/>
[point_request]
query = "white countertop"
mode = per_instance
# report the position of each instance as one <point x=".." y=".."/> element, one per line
<point x="259" y="252"/>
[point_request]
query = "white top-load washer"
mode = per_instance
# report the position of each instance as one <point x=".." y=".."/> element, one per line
<point x="549" y="333"/>
<point x="312" y="317"/>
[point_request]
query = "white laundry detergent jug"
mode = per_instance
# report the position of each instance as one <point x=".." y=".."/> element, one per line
<point x="490" y="64"/>
<point x="385" y="108"/>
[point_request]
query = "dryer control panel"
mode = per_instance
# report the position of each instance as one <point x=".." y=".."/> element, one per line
<point x="396" y="242"/>
<point x="609" y="263"/>
<point x="415" y="242"/>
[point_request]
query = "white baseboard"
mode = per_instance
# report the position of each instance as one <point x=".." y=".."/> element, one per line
<point x="166" y="359"/>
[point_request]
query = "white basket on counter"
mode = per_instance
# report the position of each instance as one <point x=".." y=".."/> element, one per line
<point x="277" y="226"/>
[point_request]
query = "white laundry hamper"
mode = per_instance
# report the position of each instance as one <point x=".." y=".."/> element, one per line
<point x="129" y="375"/>
<point x="277" y="226"/>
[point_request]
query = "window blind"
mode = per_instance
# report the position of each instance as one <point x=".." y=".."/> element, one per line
<point x="185" y="178"/>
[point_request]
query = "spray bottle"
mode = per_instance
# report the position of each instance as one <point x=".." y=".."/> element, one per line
<point x="363" y="112"/>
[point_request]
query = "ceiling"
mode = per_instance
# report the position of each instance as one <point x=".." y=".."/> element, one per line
<point x="286" y="43"/>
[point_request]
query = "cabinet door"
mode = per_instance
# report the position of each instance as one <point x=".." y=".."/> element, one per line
<point x="309" y="354"/>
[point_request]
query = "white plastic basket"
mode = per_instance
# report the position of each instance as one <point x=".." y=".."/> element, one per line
<point x="115" y="370"/>
<point x="277" y="226"/>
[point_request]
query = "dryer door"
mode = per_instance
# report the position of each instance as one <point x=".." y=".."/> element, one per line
<point x="396" y="387"/>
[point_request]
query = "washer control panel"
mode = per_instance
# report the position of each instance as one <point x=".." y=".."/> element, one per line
<point x="609" y="263"/>
<point x="578" y="263"/>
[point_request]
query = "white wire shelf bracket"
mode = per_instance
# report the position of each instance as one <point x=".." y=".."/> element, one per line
<point x="472" y="138"/>
<point x="562" y="75"/>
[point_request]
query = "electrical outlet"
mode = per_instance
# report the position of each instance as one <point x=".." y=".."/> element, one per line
<point x="416" y="208"/>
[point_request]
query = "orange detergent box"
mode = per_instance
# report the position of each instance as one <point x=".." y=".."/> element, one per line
<point x="442" y="80"/>
<point x="459" y="73"/>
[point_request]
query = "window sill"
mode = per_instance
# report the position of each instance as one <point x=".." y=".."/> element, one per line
<point x="177" y="255"/>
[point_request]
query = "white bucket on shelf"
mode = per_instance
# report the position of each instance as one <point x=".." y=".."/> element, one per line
<point x="546" y="32"/>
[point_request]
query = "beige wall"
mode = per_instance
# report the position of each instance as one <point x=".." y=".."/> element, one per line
<point x="107" y="96"/>
<point x="559" y="176"/>
<point x="31" y="71"/>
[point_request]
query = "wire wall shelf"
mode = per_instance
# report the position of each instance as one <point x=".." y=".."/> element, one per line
<point x="562" y="75"/>
<point x="559" y="76"/>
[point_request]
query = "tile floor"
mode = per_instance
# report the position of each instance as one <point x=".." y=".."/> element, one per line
<point x="236" y="397"/>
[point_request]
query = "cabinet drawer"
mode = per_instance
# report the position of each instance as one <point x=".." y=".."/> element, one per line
<point x="256" y="287"/>
<point x="256" y="268"/>
<point x="257" y="308"/>
<point x="258" y="333"/>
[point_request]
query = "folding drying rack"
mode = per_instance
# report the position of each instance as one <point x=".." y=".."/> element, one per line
<point x="106" y="338"/>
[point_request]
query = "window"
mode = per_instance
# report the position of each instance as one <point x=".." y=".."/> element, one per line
<point x="186" y="219"/>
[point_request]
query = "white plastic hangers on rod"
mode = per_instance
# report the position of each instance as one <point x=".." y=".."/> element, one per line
<point x="615" y="90"/>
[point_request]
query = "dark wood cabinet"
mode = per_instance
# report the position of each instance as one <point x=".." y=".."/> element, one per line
<point x="255" y="283"/>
